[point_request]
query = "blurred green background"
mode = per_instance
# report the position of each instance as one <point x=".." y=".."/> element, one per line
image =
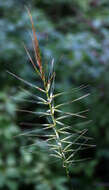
<point x="76" y="34"/>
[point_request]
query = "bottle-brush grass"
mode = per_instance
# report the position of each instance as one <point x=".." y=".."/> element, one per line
<point x="62" y="140"/>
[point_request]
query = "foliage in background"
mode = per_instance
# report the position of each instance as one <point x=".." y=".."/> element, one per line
<point x="75" y="33"/>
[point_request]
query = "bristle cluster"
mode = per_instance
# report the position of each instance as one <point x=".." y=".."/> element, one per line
<point x="62" y="139"/>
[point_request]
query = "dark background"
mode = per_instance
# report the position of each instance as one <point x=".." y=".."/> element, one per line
<point x="76" y="34"/>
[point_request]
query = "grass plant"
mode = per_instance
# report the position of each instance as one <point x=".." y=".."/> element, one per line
<point x="63" y="140"/>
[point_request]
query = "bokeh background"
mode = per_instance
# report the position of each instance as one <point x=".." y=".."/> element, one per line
<point x="76" y="34"/>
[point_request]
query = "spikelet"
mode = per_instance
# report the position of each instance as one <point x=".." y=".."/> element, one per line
<point x="36" y="46"/>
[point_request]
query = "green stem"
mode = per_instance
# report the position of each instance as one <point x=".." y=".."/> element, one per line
<point x="57" y="135"/>
<point x="55" y="129"/>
